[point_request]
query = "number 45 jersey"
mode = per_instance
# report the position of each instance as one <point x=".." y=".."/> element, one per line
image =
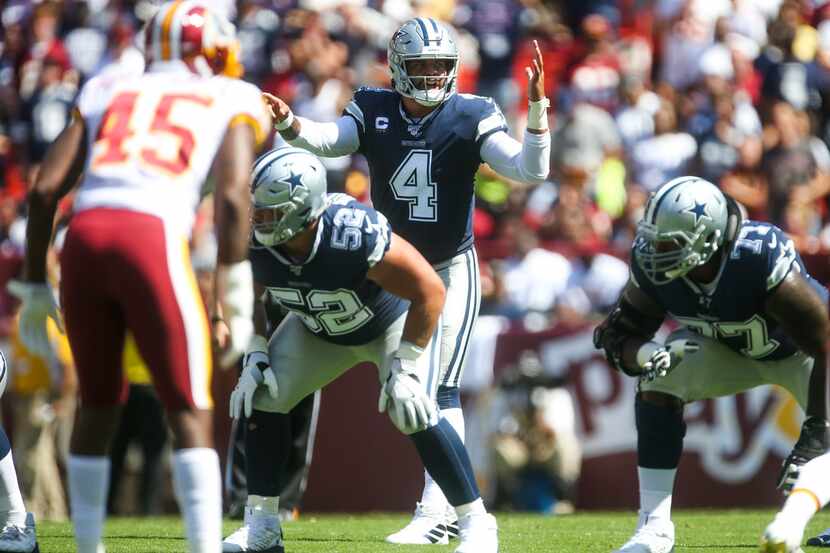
<point x="330" y="291"/>
<point x="151" y="137"/>
<point x="733" y="312"/>
<point x="422" y="172"/>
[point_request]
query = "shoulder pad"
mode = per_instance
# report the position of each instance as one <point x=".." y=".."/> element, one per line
<point x="483" y="111"/>
<point x="769" y="247"/>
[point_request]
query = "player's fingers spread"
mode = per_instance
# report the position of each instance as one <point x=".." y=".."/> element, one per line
<point x="529" y="73"/>
<point x="412" y="416"/>
<point x="422" y="417"/>
<point x="271" y="383"/>
<point x="382" y="400"/>
<point x="248" y="403"/>
<point x="400" y="415"/>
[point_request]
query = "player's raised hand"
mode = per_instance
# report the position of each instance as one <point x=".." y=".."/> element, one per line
<point x="278" y="108"/>
<point x="536" y="75"/>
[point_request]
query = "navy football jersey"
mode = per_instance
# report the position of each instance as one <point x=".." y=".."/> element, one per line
<point x="733" y="313"/>
<point x="329" y="291"/>
<point x="422" y="172"/>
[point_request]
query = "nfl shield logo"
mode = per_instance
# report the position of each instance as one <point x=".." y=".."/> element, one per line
<point x="414" y="130"/>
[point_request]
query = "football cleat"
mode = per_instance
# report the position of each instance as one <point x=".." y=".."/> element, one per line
<point x="452" y="527"/>
<point x="259" y="533"/>
<point x="478" y="534"/>
<point x="813" y="441"/>
<point x="782" y="536"/>
<point x="653" y="535"/>
<point x="19" y="539"/>
<point x="428" y="526"/>
<point x="822" y="540"/>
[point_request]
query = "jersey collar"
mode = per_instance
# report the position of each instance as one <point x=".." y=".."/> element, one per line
<point x="421" y="124"/>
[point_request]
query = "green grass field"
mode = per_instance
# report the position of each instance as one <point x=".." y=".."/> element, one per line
<point x="703" y="531"/>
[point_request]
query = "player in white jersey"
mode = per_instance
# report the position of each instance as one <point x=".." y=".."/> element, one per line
<point x="145" y="146"/>
<point x="810" y="493"/>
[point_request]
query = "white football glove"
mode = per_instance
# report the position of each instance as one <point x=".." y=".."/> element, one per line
<point x="256" y="370"/>
<point x="410" y="408"/>
<point x="38" y="303"/>
<point x="237" y="285"/>
<point x="658" y="361"/>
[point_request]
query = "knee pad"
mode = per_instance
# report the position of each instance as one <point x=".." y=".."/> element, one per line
<point x="449" y="397"/>
<point x="660" y="433"/>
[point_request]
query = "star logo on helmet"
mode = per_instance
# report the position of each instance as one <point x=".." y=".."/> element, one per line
<point x="294" y="181"/>
<point x="699" y="211"/>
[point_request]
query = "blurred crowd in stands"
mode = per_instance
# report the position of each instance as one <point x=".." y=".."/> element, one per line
<point x="736" y="91"/>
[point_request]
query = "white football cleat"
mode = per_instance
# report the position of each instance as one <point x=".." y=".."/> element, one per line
<point x="259" y="533"/>
<point x="19" y="539"/>
<point x="782" y="536"/>
<point x="427" y="527"/>
<point x="478" y="534"/>
<point x="653" y="535"/>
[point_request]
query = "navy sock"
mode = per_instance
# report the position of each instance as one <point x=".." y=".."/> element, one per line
<point x="660" y="433"/>
<point x="5" y="446"/>
<point x="267" y="447"/>
<point x="447" y="461"/>
<point x="449" y="397"/>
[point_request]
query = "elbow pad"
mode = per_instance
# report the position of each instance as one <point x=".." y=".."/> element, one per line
<point x="624" y="322"/>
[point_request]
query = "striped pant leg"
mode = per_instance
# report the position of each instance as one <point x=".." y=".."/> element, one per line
<point x="461" y="278"/>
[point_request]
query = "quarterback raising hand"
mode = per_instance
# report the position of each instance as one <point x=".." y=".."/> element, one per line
<point x="536" y="82"/>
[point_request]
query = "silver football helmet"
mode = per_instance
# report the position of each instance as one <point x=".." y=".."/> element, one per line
<point x="686" y="221"/>
<point x="289" y="193"/>
<point x="423" y="38"/>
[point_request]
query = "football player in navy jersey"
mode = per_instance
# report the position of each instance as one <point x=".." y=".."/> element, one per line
<point x="424" y="143"/>
<point x="355" y="292"/>
<point x="749" y="315"/>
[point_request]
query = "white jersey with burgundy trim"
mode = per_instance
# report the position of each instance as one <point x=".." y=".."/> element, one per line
<point x="152" y="138"/>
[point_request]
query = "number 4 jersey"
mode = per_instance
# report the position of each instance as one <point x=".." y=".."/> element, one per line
<point x="423" y="171"/>
<point x="734" y="311"/>
<point x="152" y="137"/>
<point x="330" y="291"/>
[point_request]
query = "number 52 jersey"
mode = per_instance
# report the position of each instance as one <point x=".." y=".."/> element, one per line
<point x="330" y="291"/>
<point x="152" y="137"/>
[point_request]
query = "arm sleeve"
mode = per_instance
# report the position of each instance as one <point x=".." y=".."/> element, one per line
<point x="335" y="139"/>
<point x="526" y="162"/>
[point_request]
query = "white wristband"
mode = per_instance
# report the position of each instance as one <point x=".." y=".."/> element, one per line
<point x="409" y="351"/>
<point x="537" y="114"/>
<point x="646" y="351"/>
<point x="285" y="123"/>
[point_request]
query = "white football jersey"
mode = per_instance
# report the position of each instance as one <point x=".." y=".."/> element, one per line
<point x="152" y="137"/>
